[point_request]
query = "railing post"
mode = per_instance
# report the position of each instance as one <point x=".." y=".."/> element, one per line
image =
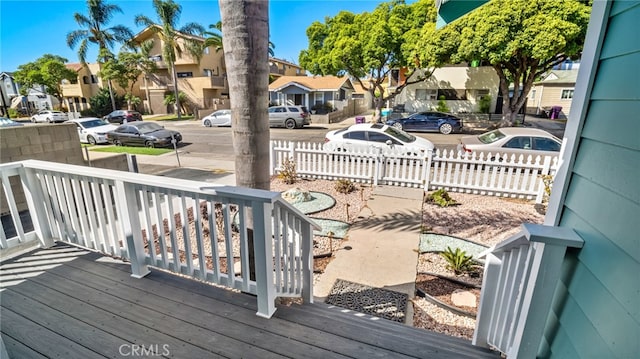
<point x="263" y="252"/>
<point x="36" y="199"/>
<point x="307" y="263"/>
<point x="130" y="218"/>
<point x="485" y="309"/>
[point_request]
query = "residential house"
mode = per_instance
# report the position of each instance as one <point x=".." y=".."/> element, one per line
<point x="35" y="100"/>
<point x="595" y="311"/>
<point x="554" y="89"/>
<point x="461" y="86"/>
<point x="279" y="68"/>
<point x="77" y="92"/>
<point x="318" y="93"/>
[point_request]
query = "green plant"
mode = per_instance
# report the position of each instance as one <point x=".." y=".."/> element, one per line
<point x="441" y="198"/>
<point x="345" y="186"/>
<point x="288" y="172"/>
<point x="458" y="261"/>
<point x="485" y="104"/>
<point x="13" y="113"/>
<point x="442" y="104"/>
<point x="547" y="180"/>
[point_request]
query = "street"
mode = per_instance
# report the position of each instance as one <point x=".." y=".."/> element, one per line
<point x="216" y="142"/>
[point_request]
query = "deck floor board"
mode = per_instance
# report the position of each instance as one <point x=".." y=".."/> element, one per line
<point x="71" y="303"/>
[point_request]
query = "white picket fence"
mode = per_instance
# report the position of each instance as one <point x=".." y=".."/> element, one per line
<point x="486" y="174"/>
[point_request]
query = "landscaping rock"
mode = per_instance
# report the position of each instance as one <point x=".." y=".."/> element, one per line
<point x="463" y="298"/>
<point x="297" y="195"/>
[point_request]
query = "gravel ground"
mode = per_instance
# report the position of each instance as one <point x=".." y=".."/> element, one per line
<point x="482" y="219"/>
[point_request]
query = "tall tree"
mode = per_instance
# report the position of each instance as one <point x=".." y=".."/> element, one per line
<point x="125" y="69"/>
<point x="95" y="31"/>
<point x="174" y="43"/>
<point x="369" y="46"/>
<point x="48" y="71"/>
<point x="520" y="39"/>
<point x="245" y="29"/>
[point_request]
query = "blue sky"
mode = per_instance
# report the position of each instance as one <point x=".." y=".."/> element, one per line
<point x="29" y="28"/>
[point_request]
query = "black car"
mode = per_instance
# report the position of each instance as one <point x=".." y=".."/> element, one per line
<point x="148" y="134"/>
<point x="429" y="121"/>
<point x="123" y="116"/>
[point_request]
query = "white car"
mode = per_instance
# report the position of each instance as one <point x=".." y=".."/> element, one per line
<point x="377" y="135"/>
<point x="512" y="140"/>
<point x="49" y="116"/>
<point x="218" y="118"/>
<point x="93" y="130"/>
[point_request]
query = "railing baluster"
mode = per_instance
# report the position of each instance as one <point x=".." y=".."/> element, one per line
<point x="213" y="238"/>
<point x="159" y="220"/>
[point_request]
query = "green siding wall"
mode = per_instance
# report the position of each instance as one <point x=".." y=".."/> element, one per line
<point x="596" y="312"/>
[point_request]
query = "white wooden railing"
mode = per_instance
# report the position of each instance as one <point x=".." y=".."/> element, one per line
<point x="486" y="174"/>
<point x="519" y="282"/>
<point x="173" y="224"/>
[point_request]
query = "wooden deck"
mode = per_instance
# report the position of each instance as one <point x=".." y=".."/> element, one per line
<point x="71" y="303"/>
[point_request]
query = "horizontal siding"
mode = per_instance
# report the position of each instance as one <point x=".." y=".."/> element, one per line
<point x="628" y="13"/>
<point x="625" y="123"/>
<point x="610" y="166"/>
<point x="616" y="279"/>
<point x="596" y="312"/>
<point x="622" y="78"/>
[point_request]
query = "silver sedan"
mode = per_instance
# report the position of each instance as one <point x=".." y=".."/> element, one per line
<point x="512" y="140"/>
<point x="218" y="118"/>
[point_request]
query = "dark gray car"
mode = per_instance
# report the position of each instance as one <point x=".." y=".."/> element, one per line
<point x="148" y="134"/>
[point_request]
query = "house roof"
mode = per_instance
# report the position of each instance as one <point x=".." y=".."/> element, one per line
<point x="75" y="66"/>
<point x="559" y="77"/>
<point x="275" y="59"/>
<point x="311" y="83"/>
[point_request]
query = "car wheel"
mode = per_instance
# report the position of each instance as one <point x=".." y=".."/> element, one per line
<point x="397" y="125"/>
<point x="446" y="129"/>
<point x="207" y="123"/>
<point x="49" y="120"/>
<point x="149" y="144"/>
<point x="91" y="140"/>
<point x="33" y="119"/>
<point x="117" y="142"/>
<point x="290" y="124"/>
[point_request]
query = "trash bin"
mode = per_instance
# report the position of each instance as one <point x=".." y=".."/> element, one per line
<point x="555" y="112"/>
<point x="359" y="119"/>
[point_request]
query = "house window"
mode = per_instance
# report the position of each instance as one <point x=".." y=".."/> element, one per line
<point x="567" y="94"/>
<point x="85" y="79"/>
<point x="206" y="51"/>
<point x="94" y="79"/>
<point x="156" y="58"/>
<point x="426" y="94"/>
<point x="480" y="94"/>
<point x="185" y="74"/>
<point x="533" y="94"/>
<point x="452" y="94"/>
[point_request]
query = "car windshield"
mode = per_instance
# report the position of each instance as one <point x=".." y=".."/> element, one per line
<point x="400" y="135"/>
<point x="491" y="137"/>
<point x="94" y="123"/>
<point x="148" y="127"/>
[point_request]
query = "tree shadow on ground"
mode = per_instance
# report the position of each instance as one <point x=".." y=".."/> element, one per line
<point x="407" y="220"/>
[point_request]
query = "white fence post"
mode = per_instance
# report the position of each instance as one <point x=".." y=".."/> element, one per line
<point x="130" y="220"/>
<point x="307" y="263"/>
<point x="36" y="200"/>
<point x="263" y="253"/>
<point x="272" y="158"/>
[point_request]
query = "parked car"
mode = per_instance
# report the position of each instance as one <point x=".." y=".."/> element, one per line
<point x="367" y="136"/>
<point x="93" y="130"/>
<point x="218" y="118"/>
<point x="516" y="140"/>
<point x="429" y="121"/>
<point x="49" y="116"/>
<point x="123" y="116"/>
<point x="7" y="122"/>
<point x="148" y="134"/>
<point x="288" y="116"/>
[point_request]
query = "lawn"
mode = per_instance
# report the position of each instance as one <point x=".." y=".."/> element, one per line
<point x="171" y="117"/>
<point x="132" y="150"/>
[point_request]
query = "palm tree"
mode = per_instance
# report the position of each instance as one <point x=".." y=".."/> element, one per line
<point x="95" y="31"/>
<point x="215" y="38"/>
<point x="168" y="15"/>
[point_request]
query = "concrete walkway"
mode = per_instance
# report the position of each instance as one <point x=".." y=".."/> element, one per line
<point x="382" y="249"/>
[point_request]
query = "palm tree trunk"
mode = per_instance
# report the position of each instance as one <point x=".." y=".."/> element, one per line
<point x="175" y="89"/>
<point x="113" y="100"/>
<point x="146" y="92"/>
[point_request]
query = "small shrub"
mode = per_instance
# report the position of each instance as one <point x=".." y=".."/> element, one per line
<point x="441" y="198"/>
<point x="485" y="104"/>
<point x="547" y="180"/>
<point x="13" y="113"/>
<point x="288" y="172"/>
<point x="442" y="104"/>
<point x="345" y="186"/>
<point x="459" y="262"/>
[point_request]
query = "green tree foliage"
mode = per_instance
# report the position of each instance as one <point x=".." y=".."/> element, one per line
<point x="520" y="39"/>
<point x="170" y="99"/>
<point x="101" y="103"/>
<point x="173" y="39"/>
<point x="48" y="71"/>
<point x="368" y="46"/>
<point x="125" y="69"/>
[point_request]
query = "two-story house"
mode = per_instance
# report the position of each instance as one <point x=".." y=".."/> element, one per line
<point x="77" y="92"/>
<point x="35" y="100"/>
